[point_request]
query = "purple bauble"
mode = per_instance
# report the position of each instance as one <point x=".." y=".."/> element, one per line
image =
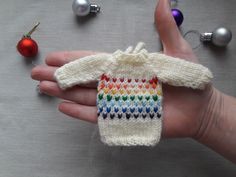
<point x="178" y="16"/>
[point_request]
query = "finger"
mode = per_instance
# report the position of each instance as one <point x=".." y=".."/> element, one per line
<point x="42" y="73"/>
<point x="60" y="58"/>
<point x="84" y="96"/>
<point x="86" y="113"/>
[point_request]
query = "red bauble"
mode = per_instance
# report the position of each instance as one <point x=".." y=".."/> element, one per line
<point x="27" y="47"/>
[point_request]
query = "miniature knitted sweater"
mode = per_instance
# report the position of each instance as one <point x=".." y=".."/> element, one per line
<point x="129" y="98"/>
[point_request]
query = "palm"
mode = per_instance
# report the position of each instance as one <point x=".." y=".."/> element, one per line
<point x="182" y="107"/>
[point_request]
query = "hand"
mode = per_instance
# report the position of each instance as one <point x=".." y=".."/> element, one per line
<point x="184" y="108"/>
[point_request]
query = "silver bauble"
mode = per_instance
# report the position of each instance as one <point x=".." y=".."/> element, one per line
<point x="221" y="36"/>
<point x="83" y="7"/>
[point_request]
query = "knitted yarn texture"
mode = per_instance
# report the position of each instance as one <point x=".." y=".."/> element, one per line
<point x="129" y="98"/>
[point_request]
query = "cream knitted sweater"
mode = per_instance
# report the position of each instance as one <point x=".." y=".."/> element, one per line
<point x="130" y="96"/>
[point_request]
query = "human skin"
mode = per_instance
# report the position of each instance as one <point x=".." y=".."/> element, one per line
<point x="204" y="115"/>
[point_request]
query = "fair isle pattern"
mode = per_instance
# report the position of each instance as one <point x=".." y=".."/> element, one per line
<point x="131" y="107"/>
<point x="126" y="98"/>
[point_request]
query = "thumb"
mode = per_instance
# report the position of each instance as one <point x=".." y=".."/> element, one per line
<point x="173" y="42"/>
<point x="166" y="26"/>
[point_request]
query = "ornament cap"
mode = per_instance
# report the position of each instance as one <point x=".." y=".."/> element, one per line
<point x="94" y="8"/>
<point x="206" y="37"/>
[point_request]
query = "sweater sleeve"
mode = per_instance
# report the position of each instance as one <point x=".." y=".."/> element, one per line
<point x="82" y="70"/>
<point x="179" y="72"/>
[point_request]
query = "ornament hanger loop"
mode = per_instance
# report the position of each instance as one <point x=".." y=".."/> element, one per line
<point x="195" y="32"/>
<point x="33" y="29"/>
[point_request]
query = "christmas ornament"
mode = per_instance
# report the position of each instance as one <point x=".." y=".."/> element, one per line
<point x="84" y="7"/>
<point x="219" y="37"/>
<point x="178" y="16"/>
<point x="28" y="47"/>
